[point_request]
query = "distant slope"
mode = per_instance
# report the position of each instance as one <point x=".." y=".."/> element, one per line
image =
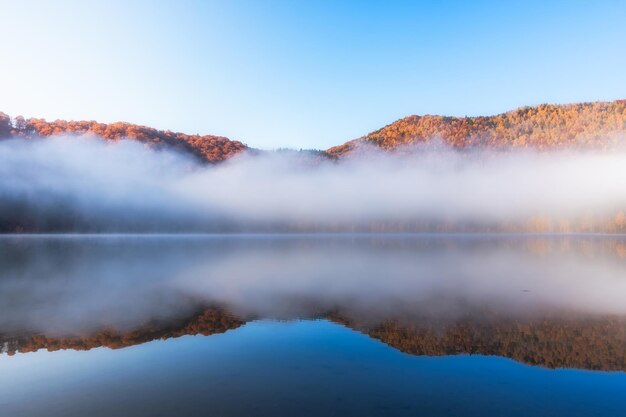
<point x="547" y="126"/>
<point x="208" y="148"/>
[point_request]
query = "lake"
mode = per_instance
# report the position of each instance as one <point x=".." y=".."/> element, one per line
<point x="309" y="325"/>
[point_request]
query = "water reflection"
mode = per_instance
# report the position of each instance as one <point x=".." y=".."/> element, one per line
<point x="549" y="301"/>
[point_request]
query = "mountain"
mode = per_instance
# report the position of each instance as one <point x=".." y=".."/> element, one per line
<point x="207" y="148"/>
<point x="547" y="126"/>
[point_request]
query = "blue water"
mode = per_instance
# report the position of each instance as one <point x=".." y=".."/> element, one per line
<point x="294" y="368"/>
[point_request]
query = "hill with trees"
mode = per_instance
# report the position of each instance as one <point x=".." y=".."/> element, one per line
<point x="597" y="125"/>
<point x="547" y="126"/>
<point x="207" y="148"/>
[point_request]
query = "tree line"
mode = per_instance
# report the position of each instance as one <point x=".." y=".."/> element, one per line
<point x="207" y="148"/>
<point x="547" y="126"/>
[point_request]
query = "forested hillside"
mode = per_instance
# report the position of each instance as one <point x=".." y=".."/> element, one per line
<point x="208" y="147"/>
<point x="548" y="126"/>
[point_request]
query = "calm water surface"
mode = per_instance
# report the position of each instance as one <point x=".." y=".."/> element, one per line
<point x="454" y="325"/>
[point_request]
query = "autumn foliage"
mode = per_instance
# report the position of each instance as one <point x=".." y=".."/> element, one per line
<point x="207" y="148"/>
<point x="582" y="125"/>
<point x="547" y="126"/>
<point x="598" y="125"/>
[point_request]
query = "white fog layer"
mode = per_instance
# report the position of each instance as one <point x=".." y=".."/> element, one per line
<point x="70" y="284"/>
<point x="124" y="183"/>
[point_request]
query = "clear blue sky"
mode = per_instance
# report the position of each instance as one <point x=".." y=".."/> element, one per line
<point x="303" y="74"/>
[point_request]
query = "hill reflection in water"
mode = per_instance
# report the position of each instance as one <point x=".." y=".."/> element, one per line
<point x="542" y="300"/>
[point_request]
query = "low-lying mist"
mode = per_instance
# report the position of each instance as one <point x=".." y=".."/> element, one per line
<point x="76" y="184"/>
<point x="73" y="284"/>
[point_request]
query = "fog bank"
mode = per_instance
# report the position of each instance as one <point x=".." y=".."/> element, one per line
<point x="65" y="183"/>
<point x="78" y="284"/>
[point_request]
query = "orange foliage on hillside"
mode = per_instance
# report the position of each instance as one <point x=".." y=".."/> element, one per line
<point x="208" y="147"/>
<point x="547" y="126"/>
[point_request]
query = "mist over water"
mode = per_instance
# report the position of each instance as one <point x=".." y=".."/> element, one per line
<point x="73" y="284"/>
<point x="85" y="183"/>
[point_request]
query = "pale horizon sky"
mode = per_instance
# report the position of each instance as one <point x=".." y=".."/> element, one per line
<point x="303" y="74"/>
